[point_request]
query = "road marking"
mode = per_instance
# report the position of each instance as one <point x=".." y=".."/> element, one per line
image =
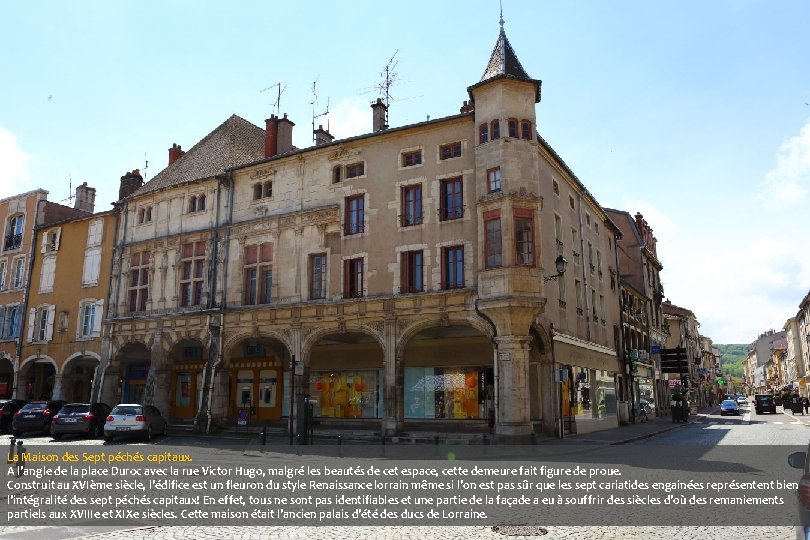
<point x="778" y="422"/>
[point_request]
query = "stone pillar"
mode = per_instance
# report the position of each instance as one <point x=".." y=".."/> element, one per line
<point x="392" y="364"/>
<point x="202" y="422"/>
<point x="96" y="393"/>
<point x="158" y="372"/>
<point x="513" y="420"/>
<point x="57" y="391"/>
<point x="297" y="381"/>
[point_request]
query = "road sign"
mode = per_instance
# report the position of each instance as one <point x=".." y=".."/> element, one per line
<point x="674" y="361"/>
<point x="243" y="417"/>
<point x="299" y="368"/>
<point x="655" y="349"/>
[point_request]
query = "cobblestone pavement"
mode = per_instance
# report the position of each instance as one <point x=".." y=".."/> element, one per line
<point x="432" y="533"/>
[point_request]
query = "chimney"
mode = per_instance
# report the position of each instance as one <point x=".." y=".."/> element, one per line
<point x="322" y="136"/>
<point x="85" y="198"/>
<point x="175" y="153"/>
<point x="285" y="129"/>
<point x="466" y="107"/>
<point x="378" y="115"/>
<point x="271" y="136"/>
<point x="130" y="183"/>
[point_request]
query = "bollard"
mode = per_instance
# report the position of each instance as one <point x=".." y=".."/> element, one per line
<point x="340" y="445"/>
<point x="20" y="458"/>
<point x="263" y="437"/>
<point x="11" y="450"/>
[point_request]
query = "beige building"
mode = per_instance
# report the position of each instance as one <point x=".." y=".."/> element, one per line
<point x="20" y="215"/>
<point x="683" y="332"/>
<point x="402" y="276"/>
<point x="61" y="338"/>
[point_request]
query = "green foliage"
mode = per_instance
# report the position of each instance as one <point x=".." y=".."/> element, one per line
<point x="733" y="357"/>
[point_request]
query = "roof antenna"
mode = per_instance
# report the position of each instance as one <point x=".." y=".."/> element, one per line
<point x="72" y="196"/>
<point x="145" y="165"/>
<point x="316" y="116"/>
<point x="281" y="87"/>
<point x="389" y="78"/>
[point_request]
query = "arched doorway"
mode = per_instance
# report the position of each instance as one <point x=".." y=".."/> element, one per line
<point x="346" y="376"/>
<point x="258" y="378"/>
<point x="37" y="377"/>
<point x="449" y="374"/>
<point x="187" y="360"/>
<point x="129" y="373"/>
<point x="78" y="375"/>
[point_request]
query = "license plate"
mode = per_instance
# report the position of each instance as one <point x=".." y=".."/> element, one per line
<point x="121" y="428"/>
<point x="29" y="416"/>
<point x="70" y="420"/>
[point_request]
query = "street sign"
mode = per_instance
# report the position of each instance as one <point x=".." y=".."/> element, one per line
<point x="655" y="349"/>
<point x="299" y="368"/>
<point x="243" y="417"/>
<point x="674" y="361"/>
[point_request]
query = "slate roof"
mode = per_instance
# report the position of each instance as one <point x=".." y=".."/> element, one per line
<point x="504" y="63"/>
<point x="235" y="142"/>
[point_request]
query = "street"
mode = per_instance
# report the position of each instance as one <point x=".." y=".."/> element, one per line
<point x="708" y="430"/>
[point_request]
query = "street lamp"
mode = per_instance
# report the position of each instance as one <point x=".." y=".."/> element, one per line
<point x="560" y="263"/>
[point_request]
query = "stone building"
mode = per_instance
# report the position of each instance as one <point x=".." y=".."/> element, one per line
<point x="683" y="332"/>
<point x="405" y="275"/>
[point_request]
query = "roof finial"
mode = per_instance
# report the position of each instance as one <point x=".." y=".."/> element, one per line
<point x="501" y="21"/>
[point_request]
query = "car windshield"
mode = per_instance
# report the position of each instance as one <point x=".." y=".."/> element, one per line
<point x="729" y="403"/>
<point x="127" y="410"/>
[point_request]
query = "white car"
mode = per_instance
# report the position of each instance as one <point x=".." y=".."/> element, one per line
<point x="134" y="419"/>
<point x="742" y="400"/>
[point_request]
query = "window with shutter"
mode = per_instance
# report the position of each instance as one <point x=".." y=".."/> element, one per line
<point x="92" y="267"/>
<point x="47" y="273"/>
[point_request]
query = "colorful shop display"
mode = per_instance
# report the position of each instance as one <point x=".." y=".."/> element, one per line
<point x="448" y="392"/>
<point x="347" y="394"/>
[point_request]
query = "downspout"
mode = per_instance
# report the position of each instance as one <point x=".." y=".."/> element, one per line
<point x="27" y="288"/>
<point x="494" y="358"/>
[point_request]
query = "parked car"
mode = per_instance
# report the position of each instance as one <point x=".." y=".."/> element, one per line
<point x="8" y="408"/>
<point x="134" y="419"/>
<point x="798" y="460"/>
<point x="742" y="400"/>
<point x="729" y="406"/>
<point x="764" y="403"/>
<point x="83" y="418"/>
<point x="35" y="416"/>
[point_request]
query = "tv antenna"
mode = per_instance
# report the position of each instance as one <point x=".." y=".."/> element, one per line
<point x="145" y="165"/>
<point x="281" y="87"/>
<point x="72" y="196"/>
<point x="315" y="115"/>
<point x="389" y="77"/>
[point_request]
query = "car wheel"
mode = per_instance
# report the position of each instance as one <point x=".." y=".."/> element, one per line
<point x="108" y="438"/>
<point x="57" y="437"/>
<point x="165" y="428"/>
<point x="148" y="434"/>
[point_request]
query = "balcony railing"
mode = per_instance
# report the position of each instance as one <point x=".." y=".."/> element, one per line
<point x="13" y="241"/>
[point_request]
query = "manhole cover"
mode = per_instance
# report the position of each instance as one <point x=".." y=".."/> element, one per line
<point x="519" y="530"/>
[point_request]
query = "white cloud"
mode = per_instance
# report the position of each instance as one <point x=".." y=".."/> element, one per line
<point x="350" y="117"/>
<point x="788" y="183"/>
<point x="14" y="173"/>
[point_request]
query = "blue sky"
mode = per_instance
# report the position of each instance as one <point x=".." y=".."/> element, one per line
<point x="694" y="113"/>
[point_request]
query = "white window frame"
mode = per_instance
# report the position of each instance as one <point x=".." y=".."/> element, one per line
<point x="47" y="274"/>
<point x="98" y="312"/>
<point x="40" y="323"/>
<point x="13" y="332"/>
<point x="91" y="269"/>
<point x="3" y="269"/>
<point x="50" y="240"/>
<point x="18" y="273"/>
<point x="95" y="232"/>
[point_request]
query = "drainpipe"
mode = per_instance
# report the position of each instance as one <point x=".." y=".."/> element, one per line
<point x="26" y="289"/>
<point x="494" y="358"/>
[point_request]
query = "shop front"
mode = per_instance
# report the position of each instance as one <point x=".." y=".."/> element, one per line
<point x="257" y="380"/>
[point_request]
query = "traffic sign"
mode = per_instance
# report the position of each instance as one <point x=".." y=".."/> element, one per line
<point x="242" y="418"/>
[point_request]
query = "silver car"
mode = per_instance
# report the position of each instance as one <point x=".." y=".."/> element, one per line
<point x="134" y="419"/>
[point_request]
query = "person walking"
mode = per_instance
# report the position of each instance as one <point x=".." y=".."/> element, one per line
<point x="805" y="404"/>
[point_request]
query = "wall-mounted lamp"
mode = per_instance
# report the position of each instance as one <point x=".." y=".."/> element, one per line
<point x="560" y="263"/>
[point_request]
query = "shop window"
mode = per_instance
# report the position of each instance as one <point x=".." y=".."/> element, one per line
<point x="411" y="205"/>
<point x="449" y="151"/>
<point x="353" y="278"/>
<point x="192" y="273"/>
<point x="347" y="394"/>
<point x="258" y="274"/>
<point x="453" y="267"/>
<point x="138" y="287"/>
<point x="317" y="276"/>
<point x="411" y="272"/>
<point x="494" y="180"/>
<point x="452" y="199"/>
<point x="449" y="392"/>
<point x="354" y="215"/>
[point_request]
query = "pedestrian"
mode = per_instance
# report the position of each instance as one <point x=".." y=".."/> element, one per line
<point x="805" y="404"/>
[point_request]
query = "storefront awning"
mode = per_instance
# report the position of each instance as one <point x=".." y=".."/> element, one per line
<point x="578" y="352"/>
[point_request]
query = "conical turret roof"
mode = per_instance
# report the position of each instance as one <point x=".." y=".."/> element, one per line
<point x="504" y="64"/>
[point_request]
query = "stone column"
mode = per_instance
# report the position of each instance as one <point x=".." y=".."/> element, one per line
<point x="57" y="391"/>
<point x="202" y="422"/>
<point x="392" y="364"/>
<point x="297" y="381"/>
<point x="514" y="420"/>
